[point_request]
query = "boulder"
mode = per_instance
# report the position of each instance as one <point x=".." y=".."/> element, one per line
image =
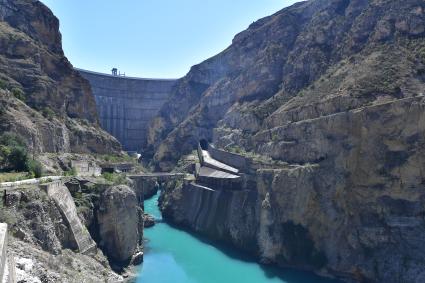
<point x="148" y="220"/>
<point x="118" y="220"/>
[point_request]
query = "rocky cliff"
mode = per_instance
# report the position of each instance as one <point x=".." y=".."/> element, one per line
<point x="42" y="97"/>
<point x="332" y="92"/>
<point x="120" y="221"/>
<point x="313" y="59"/>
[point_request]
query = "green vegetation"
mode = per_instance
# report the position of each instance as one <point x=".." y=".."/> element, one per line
<point x="8" y="217"/>
<point x="3" y="84"/>
<point x="117" y="179"/>
<point x="18" y="93"/>
<point x="34" y="167"/>
<point x="70" y="172"/>
<point x="14" y="156"/>
<point x="13" y="176"/>
<point x="47" y="113"/>
<point x="117" y="158"/>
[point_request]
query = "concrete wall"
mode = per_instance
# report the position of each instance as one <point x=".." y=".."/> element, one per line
<point x="235" y="160"/>
<point x="3" y="250"/>
<point x="63" y="199"/>
<point x="126" y="105"/>
<point x="86" y="168"/>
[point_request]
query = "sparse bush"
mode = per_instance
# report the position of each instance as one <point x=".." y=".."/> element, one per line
<point x="48" y="113"/>
<point x="18" y="93"/>
<point x="14" y="156"/>
<point x="18" y="158"/>
<point x="3" y="84"/>
<point x="71" y="172"/>
<point x="35" y="168"/>
<point x="13" y="153"/>
<point x="117" y="158"/>
<point x="8" y="217"/>
<point x="117" y="179"/>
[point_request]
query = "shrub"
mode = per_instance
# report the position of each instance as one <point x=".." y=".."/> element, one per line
<point x="18" y="93"/>
<point x="14" y="156"/>
<point x="48" y="113"/>
<point x="13" y="153"/>
<point x="8" y="217"/>
<point x="71" y="172"/>
<point x="34" y="167"/>
<point x="17" y="158"/>
<point x="117" y="179"/>
<point x="3" y="84"/>
<point x="12" y="139"/>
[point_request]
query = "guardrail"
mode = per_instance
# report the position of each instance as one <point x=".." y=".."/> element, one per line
<point x="30" y="181"/>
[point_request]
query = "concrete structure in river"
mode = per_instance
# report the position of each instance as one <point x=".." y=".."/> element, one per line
<point x="126" y="105"/>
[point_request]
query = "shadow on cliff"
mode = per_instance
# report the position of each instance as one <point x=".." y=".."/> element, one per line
<point x="287" y="275"/>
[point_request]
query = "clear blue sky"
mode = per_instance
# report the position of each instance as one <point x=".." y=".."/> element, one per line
<point x="153" y="38"/>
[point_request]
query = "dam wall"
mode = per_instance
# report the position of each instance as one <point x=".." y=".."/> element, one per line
<point x="126" y="105"/>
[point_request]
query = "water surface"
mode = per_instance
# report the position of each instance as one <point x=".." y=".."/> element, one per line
<point x="176" y="256"/>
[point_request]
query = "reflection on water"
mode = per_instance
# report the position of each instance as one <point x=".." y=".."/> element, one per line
<point x="176" y="256"/>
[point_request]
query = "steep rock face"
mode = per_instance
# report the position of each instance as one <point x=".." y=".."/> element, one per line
<point x="53" y="134"/>
<point x="33" y="60"/>
<point x="321" y="56"/>
<point x="220" y="215"/>
<point x="34" y="68"/>
<point x="349" y="202"/>
<point x="120" y="222"/>
<point x="332" y="91"/>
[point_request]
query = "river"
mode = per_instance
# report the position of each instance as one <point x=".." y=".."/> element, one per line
<point x="176" y="256"/>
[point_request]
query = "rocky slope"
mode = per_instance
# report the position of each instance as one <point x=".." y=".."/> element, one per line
<point x="312" y="59"/>
<point x="41" y="237"/>
<point x="36" y="78"/>
<point x="44" y="232"/>
<point x="332" y="90"/>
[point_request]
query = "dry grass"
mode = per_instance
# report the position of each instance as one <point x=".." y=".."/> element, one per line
<point x="14" y="176"/>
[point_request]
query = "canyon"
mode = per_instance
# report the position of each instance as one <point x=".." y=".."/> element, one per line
<point x="301" y="145"/>
<point x="326" y="100"/>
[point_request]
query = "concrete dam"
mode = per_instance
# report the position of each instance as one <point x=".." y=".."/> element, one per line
<point x="126" y="105"/>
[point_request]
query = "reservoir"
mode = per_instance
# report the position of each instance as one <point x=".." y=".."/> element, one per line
<point x="175" y="256"/>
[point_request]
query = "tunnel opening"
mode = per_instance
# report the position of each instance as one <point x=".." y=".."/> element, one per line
<point x="204" y="144"/>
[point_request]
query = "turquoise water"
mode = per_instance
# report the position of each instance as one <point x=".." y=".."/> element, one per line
<point x="175" y="256"/>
